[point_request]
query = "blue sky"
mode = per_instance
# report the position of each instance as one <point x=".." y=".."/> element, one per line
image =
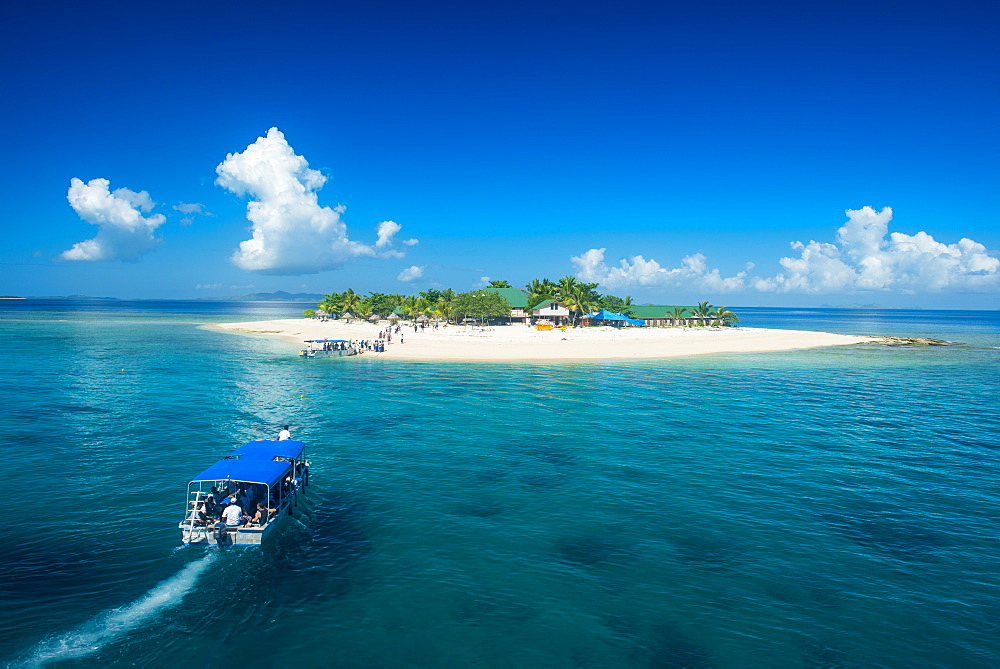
<point x="694" y="143"/>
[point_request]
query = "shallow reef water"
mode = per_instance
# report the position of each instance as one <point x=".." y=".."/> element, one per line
<point x="831" y="507"/>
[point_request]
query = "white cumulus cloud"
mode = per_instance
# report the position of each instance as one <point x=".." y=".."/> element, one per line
<point x="291" y="232"/>
<point x="410" y="273"/>
<point x="693" y="273"/>
<point x="865" y="257"/>
<point x="123" y="233"/>
<point x="386" y="230"/>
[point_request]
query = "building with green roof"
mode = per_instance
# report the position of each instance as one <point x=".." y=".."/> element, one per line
<point x="660" y="315"/>
<point x="518" y="302"/>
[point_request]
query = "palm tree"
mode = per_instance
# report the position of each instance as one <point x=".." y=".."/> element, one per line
<point x="350" y="300"/>
<point x="726" y="316"/>
<point x="499" y="284"/>
<point x="409" y="306"/>
<point x="539" y="286"/>
<point x="703" y="312"/>
<point x="444" y="304"/>
<point x="579" y="301"/>
<point x="565" y="286"/>
<point x="443" y="308"/>
<point x="363" y="309"/>
<point x="627" y="304"/>
<point x="678" y="315"/>
<point x="539" y="291"/>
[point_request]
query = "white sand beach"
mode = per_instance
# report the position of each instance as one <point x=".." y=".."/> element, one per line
<point x="520" y="342"/>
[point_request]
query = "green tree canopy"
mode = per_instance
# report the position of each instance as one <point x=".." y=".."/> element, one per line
<point x="499" y="284"/>
<point x="330" y="303"/>
<point x="382" y="304"/>
<point x="432" y="295"/>
<point x="616" y="304"/>
<point x="481" y="304"/>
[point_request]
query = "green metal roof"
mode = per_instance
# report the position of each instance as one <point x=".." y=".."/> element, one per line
<point x="515" y="296"/>
<point x="545" y="303"/>
<point x="657" y="311"/>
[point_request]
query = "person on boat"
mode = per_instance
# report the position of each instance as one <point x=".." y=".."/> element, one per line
<point x="200" y="516"/>
<point x="263" y="514"/>
<point x="210" y="504"/>
<point x="284" y="435"/>
<point x="233" y="514"/>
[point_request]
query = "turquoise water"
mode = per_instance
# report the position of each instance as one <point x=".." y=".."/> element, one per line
<point x="822" y="508"/>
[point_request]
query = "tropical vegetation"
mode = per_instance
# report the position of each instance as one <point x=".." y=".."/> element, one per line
<point x="485" y="304"/>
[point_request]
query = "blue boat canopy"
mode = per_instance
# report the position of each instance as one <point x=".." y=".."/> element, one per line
<point x="267" y="449"/>
<point x="246" y="470"/>
<point x="326" y="341"/>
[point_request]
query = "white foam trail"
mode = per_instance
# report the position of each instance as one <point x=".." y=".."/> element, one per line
<point x="110" y="625"/>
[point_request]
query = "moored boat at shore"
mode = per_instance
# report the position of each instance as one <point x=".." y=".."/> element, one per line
<point x="262" y="480"/>
<point x="326" y="348"/>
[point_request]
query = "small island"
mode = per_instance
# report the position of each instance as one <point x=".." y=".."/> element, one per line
<point x="564" y="320"/>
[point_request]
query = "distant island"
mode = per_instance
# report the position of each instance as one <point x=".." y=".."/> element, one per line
<point x="279" y="296"/>
<point x="70" y="297"/>
<point x="854" y="306"/>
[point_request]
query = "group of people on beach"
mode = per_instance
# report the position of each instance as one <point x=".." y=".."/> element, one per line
<point x="378" y="344"/>
<point x="359" y="346"/>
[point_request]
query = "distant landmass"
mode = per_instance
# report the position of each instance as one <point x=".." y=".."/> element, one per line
<point x="70" y="297"/>
<point x="279" y="296"/>
<point x="855" y="306"/>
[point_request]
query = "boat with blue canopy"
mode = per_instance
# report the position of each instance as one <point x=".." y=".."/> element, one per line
<point x="326" y="348"/>
<point x="242" y="498"/>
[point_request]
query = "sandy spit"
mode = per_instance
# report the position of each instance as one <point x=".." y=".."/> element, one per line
<point x="519" y="342"/>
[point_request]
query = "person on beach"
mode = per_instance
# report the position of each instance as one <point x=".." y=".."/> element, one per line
<point x="284" y="435"/>
<point x="233" y="514"/>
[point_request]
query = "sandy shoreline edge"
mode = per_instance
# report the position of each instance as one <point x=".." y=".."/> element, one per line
<point x="519" y="342"/>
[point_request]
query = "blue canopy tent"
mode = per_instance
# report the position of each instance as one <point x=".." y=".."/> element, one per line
<point x="605" y="315"/>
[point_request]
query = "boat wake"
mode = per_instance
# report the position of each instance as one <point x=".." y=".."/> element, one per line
<point x="98" y="632"/>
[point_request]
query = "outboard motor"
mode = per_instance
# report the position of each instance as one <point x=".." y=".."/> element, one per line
<point x="221" y="534"/>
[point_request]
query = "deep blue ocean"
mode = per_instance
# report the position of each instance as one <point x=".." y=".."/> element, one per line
<point x="833" y="507"/>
